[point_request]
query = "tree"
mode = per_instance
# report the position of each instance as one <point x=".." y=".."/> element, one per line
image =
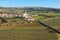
<point x="3" y="20"/>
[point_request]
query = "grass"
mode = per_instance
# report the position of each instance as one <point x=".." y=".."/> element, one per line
<point x="43" y="16"/>
<point x="32" y="33"/>
<point x="47" y="14"/>
<point x="52" y="19"/>
<point x="54" y="22"/>
<point x="51" y="14"/>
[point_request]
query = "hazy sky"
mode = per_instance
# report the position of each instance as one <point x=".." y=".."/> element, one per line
<point x="30" y="3"/>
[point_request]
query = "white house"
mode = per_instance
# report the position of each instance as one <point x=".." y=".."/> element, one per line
<point x="25" y="15"/>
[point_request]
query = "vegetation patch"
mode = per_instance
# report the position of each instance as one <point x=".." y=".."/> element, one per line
<point x="27" y="34"/>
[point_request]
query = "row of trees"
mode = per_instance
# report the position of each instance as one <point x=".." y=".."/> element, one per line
<point x="42" y="9"/>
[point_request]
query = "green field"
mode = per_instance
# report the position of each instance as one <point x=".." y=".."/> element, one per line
<point x="50" y="14"/>
<point x="32" y="33"/>
<point x="52" y="19"/>
<point x="54" y="22"/>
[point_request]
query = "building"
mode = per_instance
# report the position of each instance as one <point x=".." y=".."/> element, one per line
<point x="25" y="15"/>
<point x="29" y="16"/>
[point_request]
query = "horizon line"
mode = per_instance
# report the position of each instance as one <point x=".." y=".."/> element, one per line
<point x="27" y="6"/>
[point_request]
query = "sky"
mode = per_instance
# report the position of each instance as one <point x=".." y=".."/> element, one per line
<point x="30" y="3"/>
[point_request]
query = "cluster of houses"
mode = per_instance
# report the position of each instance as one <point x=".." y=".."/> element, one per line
<point x="8" y="15"/>
<point x="26" y="15"/>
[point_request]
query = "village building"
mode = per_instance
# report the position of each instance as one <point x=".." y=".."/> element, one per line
<point x="29" y="16"/>
<point x="7" y="15"/>
<point x="25" y="15"/>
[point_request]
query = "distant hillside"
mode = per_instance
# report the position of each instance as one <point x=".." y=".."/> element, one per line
<point x="42" y="9"/>
<point x="29" y="9"/>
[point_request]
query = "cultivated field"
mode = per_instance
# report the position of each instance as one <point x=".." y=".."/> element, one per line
<point x="18" y="29"/>
<point x="31" y="33"/>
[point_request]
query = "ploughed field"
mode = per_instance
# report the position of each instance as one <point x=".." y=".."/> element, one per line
<point x="12" y="23"/>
